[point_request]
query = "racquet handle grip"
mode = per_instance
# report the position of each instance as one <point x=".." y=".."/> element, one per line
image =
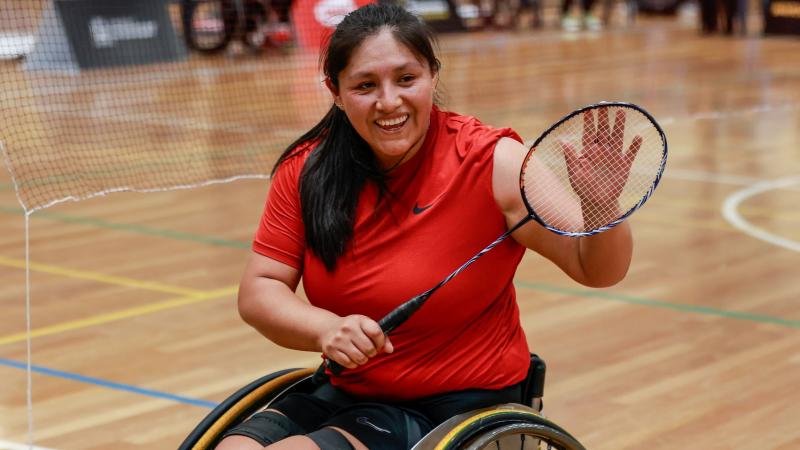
<point x="334" y="367"/>
<point x="396" y="317"/>
<point x="320" y="376"/>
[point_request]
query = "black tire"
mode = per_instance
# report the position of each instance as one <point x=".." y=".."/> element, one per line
<point x="256" y="19"/>
<point x="242" y="404"/>
<point x="208" y="25"/>
<point x="499" y="429"/>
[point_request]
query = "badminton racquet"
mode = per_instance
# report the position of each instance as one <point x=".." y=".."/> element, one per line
<point x="586" y="174"/>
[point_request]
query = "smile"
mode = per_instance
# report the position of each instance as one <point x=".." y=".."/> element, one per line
<point x="391" y="124"/>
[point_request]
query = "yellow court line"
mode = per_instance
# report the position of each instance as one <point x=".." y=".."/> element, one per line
<point x="108" y="279"/>
<point x="118" y="315"/>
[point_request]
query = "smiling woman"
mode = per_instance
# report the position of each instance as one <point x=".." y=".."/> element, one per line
<point x="356" y="207"/>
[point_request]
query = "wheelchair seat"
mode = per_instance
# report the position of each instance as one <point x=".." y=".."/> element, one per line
<point x="513" y="425"/>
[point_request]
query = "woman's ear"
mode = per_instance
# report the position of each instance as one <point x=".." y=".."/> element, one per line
<point x="435" y="91"/>
<point x="334" y="92"/>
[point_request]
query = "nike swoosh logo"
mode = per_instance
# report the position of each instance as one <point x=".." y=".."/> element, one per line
<point x="420" y="209"/>
<point x="365" y="421"/>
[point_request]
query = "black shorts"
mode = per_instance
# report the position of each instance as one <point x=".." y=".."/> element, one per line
<point x="379" y="426"/>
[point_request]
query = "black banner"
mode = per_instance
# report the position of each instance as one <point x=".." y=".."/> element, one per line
<point x="782" y="17"/>
<point x="82" y="34"/>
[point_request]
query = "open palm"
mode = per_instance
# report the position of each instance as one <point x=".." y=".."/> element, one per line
<point x="598" y="172"/>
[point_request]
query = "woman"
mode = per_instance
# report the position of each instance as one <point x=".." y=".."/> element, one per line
<point x="375" y="204"/>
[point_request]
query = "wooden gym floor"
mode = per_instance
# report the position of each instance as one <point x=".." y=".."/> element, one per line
<point x="135" y="329"/>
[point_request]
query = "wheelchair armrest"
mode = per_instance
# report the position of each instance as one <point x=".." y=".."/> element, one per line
<point x="533" y="390"/>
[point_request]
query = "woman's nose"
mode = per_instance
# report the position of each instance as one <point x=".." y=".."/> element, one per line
<point x="389" y="99"/>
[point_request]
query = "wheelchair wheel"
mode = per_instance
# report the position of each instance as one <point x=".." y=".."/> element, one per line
<point x="505" y="428"/>
<point x="209" y="25"/>
<point x="244" y="403"/>
<point x="256" y="25"/>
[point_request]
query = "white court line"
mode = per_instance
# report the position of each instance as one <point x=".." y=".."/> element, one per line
<point x="720" y="178"/>
<point x="257" y="176"/>
<point x="725" y="114"/>
<point x="189" y="123"/>
<point x="730" y="210"/>
<point x="70" y="84"/>
<point x="7" y="445"/>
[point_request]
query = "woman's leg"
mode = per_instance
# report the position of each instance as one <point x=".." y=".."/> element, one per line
<point x="329" y="442"/>
<point x="264" y="428"/>
<point x="239" y="443"/>
<point x="294" y="415"/>
<point x="329" y="438"/>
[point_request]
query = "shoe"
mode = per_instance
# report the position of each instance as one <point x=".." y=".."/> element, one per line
<point x="590" y="22"/>
<point x="569" y="23"/>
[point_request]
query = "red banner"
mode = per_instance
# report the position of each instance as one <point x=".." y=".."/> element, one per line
<point x="314" y="20"/>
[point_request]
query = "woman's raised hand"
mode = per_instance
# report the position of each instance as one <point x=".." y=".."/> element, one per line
<point x="599" y="172"/>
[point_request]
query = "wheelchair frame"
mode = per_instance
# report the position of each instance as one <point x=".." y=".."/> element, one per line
<point x="471" y="430"/>
<point x="240" y="20"/>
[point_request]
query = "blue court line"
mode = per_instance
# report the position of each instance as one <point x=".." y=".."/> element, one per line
<point x="107" y="384"/>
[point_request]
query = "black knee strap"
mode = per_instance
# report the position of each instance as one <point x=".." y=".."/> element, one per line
<point x="266" y="427"/>
<point x="330" y="439"/>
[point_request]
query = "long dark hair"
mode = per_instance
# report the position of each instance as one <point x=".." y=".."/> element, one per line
<point x="338" y="168"/>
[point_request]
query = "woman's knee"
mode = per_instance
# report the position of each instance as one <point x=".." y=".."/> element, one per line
<point x="263" y="428"/>
<point x="333" y="438"/>
<point x="235" y="442"/>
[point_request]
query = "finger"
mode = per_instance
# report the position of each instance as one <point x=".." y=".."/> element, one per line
<point x="588" y="129"/>
<point x="343" y="359"/>
<point x="356" y="354"/>
<point x="371" y="328"/>
<point x="374" y="332"/>
<point x="378" y="341"/>
<point x="603" y="129"/>
<point x="633" y="150"/>
<point x="619" y="130"/>
<point x="342" y="345"/>
<point x="570" y="157"/>
<point x="365" y="347"/>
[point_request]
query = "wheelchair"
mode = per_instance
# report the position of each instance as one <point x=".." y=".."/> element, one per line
<point x="514" y="425"/>
<point x="210" y="25"/>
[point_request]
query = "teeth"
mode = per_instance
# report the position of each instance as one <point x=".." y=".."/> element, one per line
<point x="392" y="122"/>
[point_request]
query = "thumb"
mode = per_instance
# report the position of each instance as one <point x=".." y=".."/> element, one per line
<point x="570" y="156"/>
<point x="387" y="346"/>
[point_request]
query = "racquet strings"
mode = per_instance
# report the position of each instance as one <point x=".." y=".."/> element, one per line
<point x="595" y="135"/>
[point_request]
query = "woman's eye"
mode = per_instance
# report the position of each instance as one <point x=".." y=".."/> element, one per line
<point x="407" y="78"/>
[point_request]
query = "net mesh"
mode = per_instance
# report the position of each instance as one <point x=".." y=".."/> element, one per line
<point x="593" y="168"/>
<point x="101" y="96"/>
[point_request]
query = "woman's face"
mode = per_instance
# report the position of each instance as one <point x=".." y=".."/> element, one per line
<point x="387" y="94"/>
